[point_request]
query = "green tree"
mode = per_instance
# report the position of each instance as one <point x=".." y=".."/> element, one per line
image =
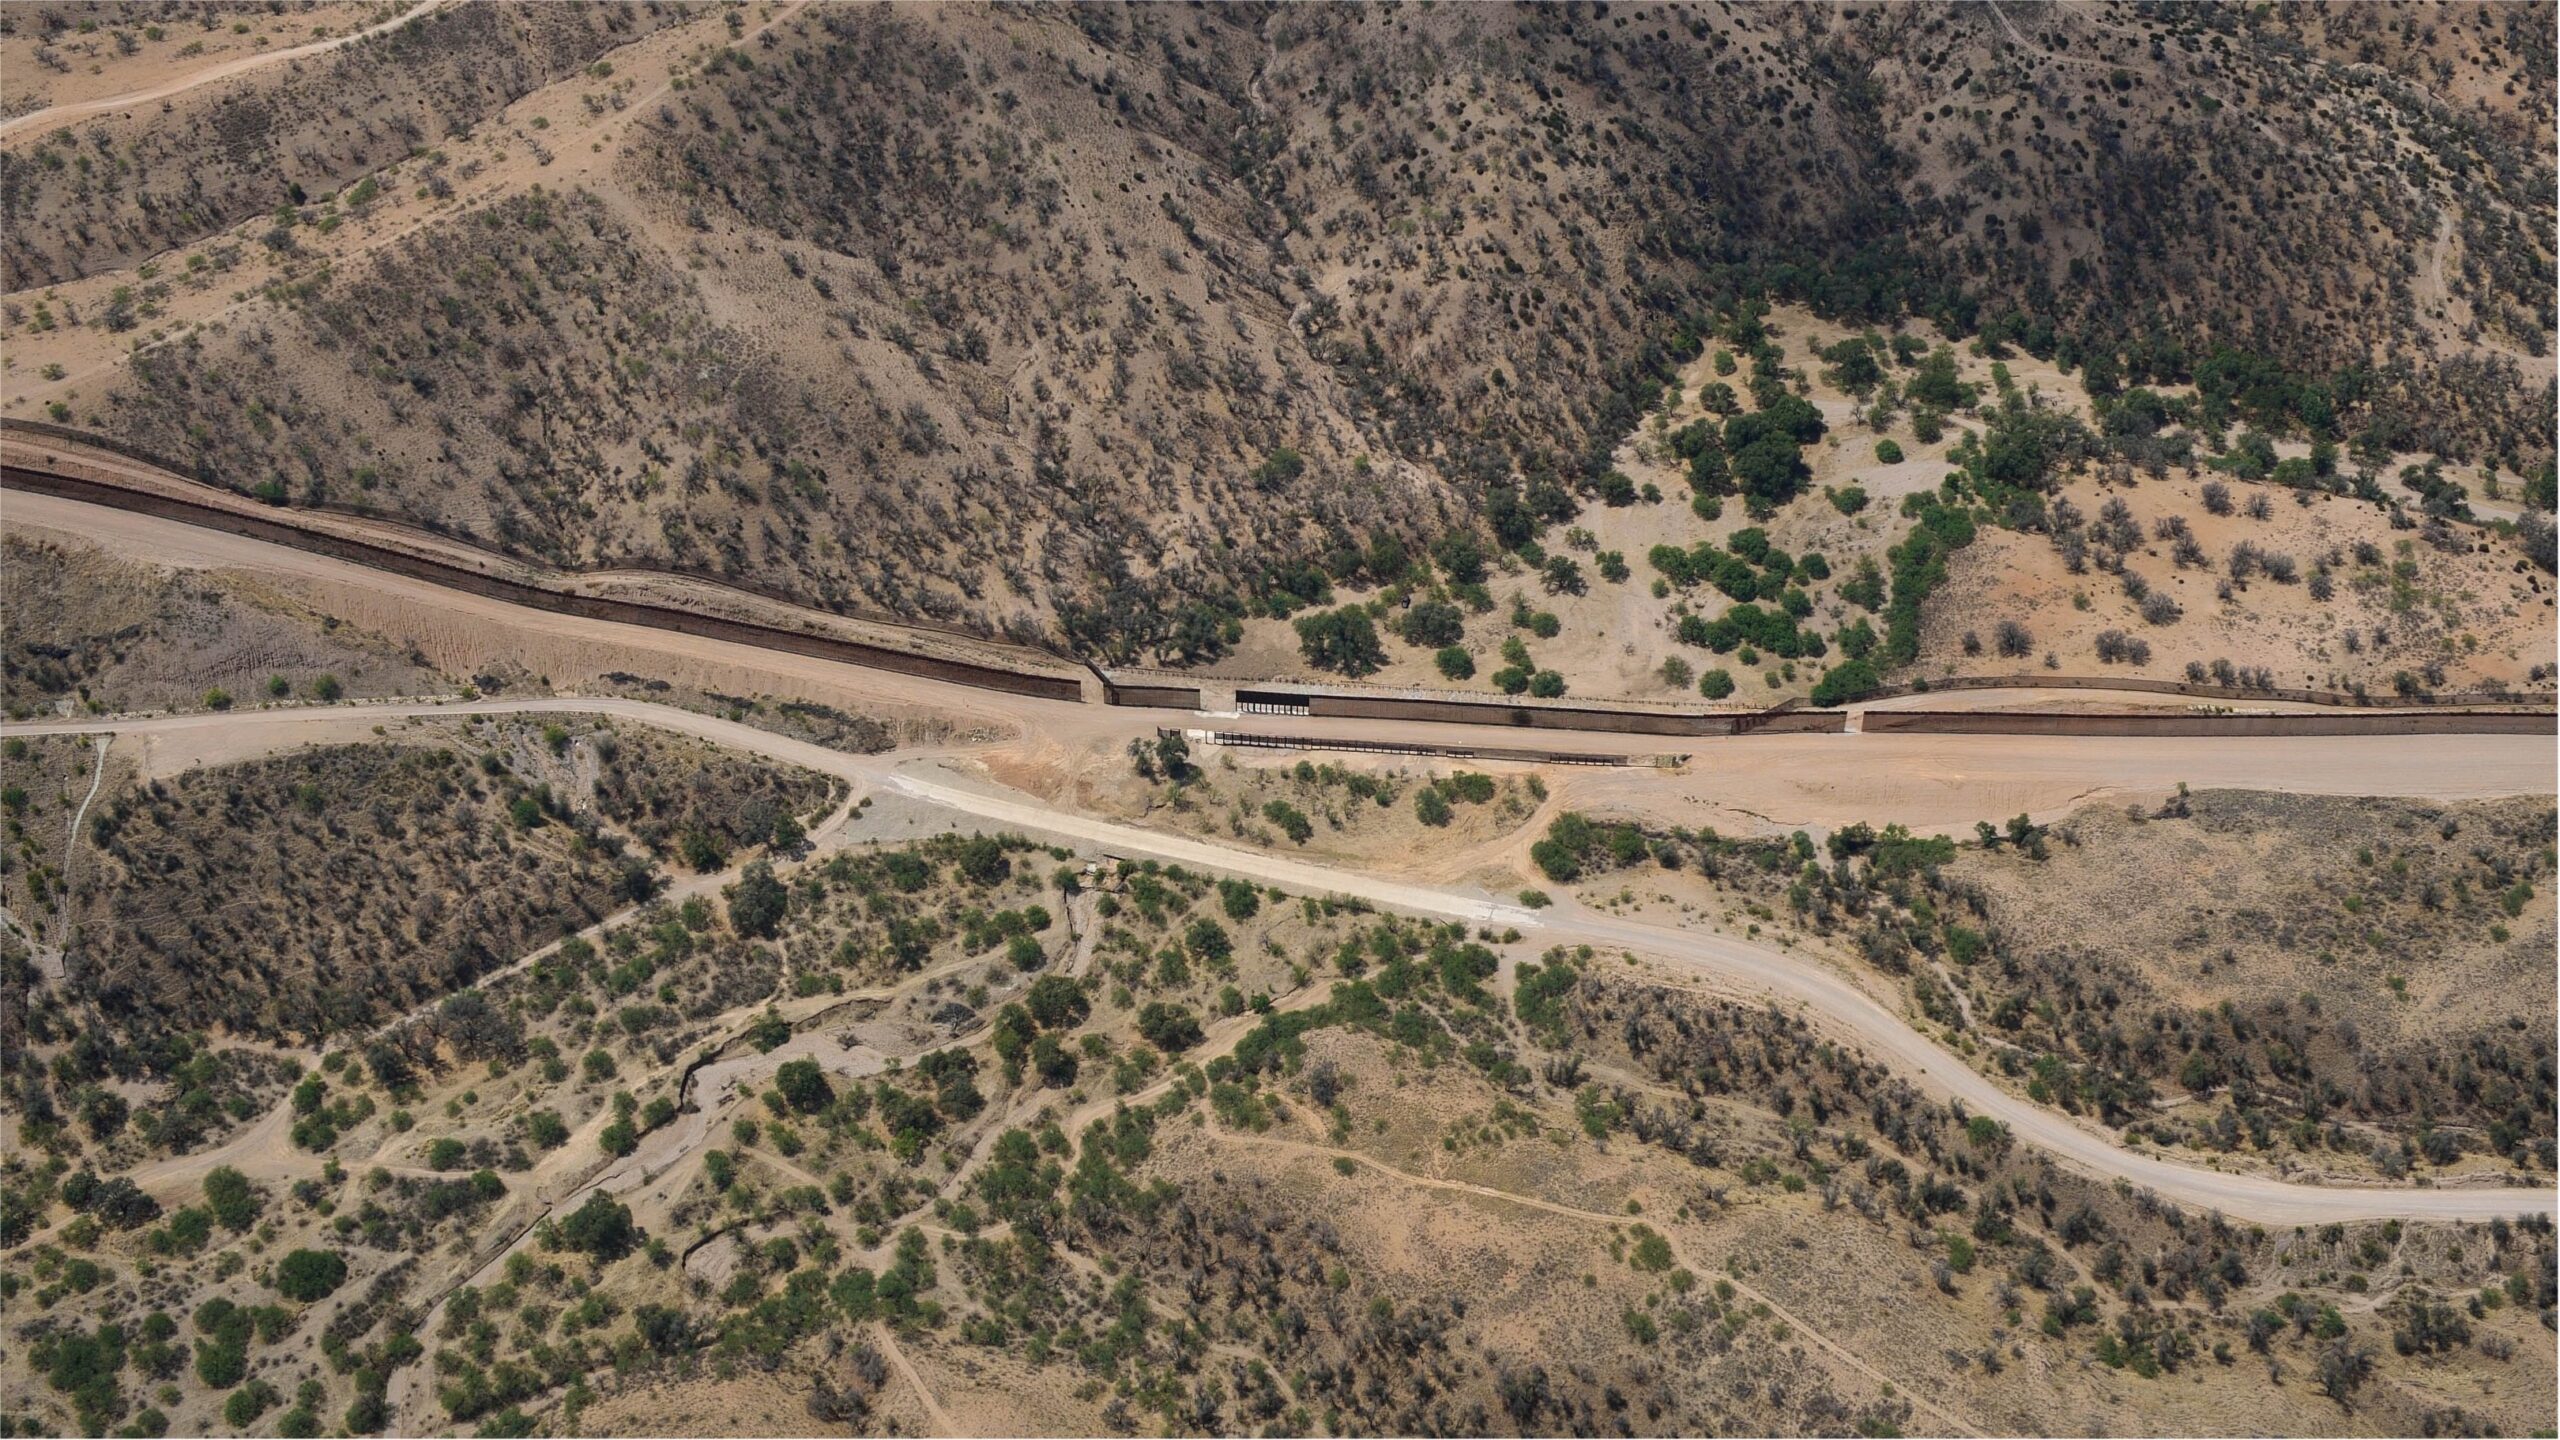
<point x="1935" y="384"/>
<point x="1169" y="1027"/>
<point x="757" y="902"/>
<point x="1344" y="640"/>
<point x="1846" y="681"/>
<point x="1460" y="556"/>
<point x="308" y="1275"/>
<point x="1433" y="624"/>
<point x="234" y="1201"/>
<point x="248" y="1403"/>
<point x="1430" y="807"/>
<point x="983" y="861"/>
<point x="701" y="850"/>
<point x="1057" y="1002"/>
<point x="1208" y="940"/>
<point x="804" y="1086"/>
<point x="602" y="1228"/>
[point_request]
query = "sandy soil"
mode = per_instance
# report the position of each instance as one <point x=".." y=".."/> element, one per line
<point x="2479" y="613"/>
<point x="1767" y="782"/>
<point x="2475" y="613"/>
<point x="101" y="77"/>
<point x="1826" y="995"/>
<point x="702" y="596"/>
<point x="501" y="157"/>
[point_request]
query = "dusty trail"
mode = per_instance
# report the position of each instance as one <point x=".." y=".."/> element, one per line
<point x="71" y="849"/>
<point x="1952" y="1425"/>
<point x="64" y="114"/>
<point x="933" y="1411"/>
<point x="1764" y="970"/>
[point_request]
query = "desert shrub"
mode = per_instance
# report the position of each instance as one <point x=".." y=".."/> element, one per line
<point x="1343" y="640"/>
<point x="308" y="1275"/>
<point x="601" y="1228"/>
<point x="1433" y="624"/>
<point x="757" y="901"/>
<point x="1430" y="807"/>
<point x="1292" y="821"/>
<point x="1169" y="1027"/>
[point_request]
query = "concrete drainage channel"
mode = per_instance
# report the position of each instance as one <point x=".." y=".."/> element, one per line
<point x="1445" y="752"/>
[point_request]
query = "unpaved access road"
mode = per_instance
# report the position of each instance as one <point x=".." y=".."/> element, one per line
<point x="1731" y="961"/>
<point x="1750" y="785"/>
<point x="57" y="115"/>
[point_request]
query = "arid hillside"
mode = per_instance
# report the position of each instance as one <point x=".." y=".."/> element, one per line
<point x="2325" y="986"/>
<point x="334" y="887"/>
<point x="968" y="1136"/>
<point x="1118" y="326"/>
<point x="112" y="190"/>
<point x="88" y="631"/>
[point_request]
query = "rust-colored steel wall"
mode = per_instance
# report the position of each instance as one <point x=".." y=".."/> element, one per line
<point x="2046" y="681"/>
<point x="1254" y="741"/>
<point x="1795" y="722"/>
<point x="656" y="617"/>
<point x="1153" y="697"/>
<point x="2402" y="722"/>
<point x="200" y="474"/>
<point x="2393" y="715"/>
<point x="1525" y="717"/>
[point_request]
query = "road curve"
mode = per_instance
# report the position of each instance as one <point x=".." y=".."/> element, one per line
<point x="54" y="115"/>
<point x="1754" y="966"/>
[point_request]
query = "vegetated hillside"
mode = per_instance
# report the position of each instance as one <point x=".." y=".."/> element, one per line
<point x="70" y="52"/>
<point x="85" y="627"/>
<point x="2363" y="972"/>
<point x="335" y="887"/>
<point x="2066" y="534"/>
<point x="108" y="191"/>
<point x="940" y="1136"/>
<point x="2343" y="984"/>
<point x="1108" y="322"/>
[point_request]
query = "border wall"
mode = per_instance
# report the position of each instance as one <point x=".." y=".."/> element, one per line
<point x="2040" y="681"/>
<point x="2377" y="715"/>
<point x="1151" y="696"/>
<point x="515" y="592"/>
<point x="2224" y="727"/>
<point x="1250" y="741"/>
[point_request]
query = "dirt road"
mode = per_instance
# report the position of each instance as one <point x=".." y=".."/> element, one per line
<point x="1827" y="997"/>
<point x="1758" y="784"/>
<point x="57" y="115"/>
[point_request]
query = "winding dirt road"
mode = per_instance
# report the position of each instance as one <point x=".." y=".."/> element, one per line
<point x="56" y="115"/>
<point x="1732" y="961"/>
